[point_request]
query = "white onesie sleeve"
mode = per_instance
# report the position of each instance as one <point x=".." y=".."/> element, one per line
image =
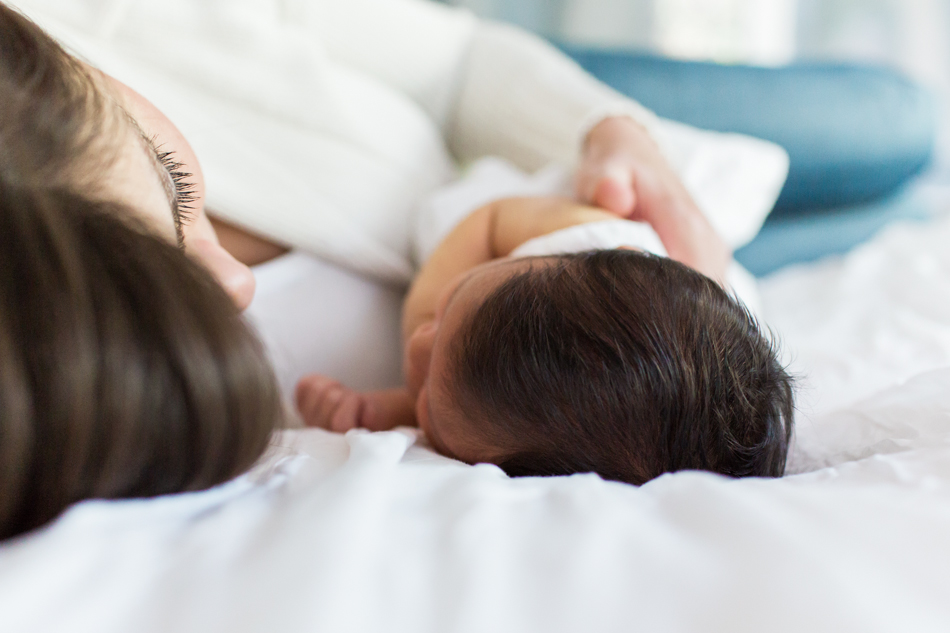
<point x="523" y="99"/>
<point x="611" y="234"/>
<point x="491" y="179"/>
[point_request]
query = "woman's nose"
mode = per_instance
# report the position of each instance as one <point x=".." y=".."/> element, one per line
<point x="236" y="278"/>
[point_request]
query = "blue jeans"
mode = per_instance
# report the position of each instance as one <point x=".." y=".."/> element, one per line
<point x="854" y="133"/>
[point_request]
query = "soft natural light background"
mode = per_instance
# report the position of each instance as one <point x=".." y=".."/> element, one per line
<point x="906" y="32"/>
<point x="912" y="35"/>
<point x="761" y="31"/>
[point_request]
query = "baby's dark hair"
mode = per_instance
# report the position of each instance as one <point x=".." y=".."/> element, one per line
<point x="624" y="364"/>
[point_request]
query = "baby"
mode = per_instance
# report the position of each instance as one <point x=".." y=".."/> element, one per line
<point x="614" y="361"/>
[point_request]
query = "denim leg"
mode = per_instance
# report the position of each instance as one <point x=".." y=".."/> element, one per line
<point x="854" y="133"/>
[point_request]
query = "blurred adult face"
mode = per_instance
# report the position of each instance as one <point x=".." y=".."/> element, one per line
<point x="158" y="176"/>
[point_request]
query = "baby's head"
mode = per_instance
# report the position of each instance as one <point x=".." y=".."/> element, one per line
<point x="614" y="362"/>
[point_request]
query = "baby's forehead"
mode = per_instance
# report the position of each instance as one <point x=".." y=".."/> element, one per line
<point x="544" y="264"/>
<point x="497" y="272"/>
<point x="530" y="263"/>
<point x="548" y="259"/>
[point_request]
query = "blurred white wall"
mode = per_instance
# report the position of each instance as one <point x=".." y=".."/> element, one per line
<point x="911" y="34"/>
<point x="756" y="31"/>
<point x="624" y="23"/>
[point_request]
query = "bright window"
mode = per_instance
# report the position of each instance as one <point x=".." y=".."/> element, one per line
<point x="756" y="31"/>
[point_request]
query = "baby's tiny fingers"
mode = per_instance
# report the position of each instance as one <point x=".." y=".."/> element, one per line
<point x="347" y="414"/>
<point x="311" y="398"/>
<point x="306" y="398"/>
<point x="309" y="390"/>
<point x="332" y="396"/>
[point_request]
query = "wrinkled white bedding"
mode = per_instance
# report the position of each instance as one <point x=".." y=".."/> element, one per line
<point x="377" y="533"/>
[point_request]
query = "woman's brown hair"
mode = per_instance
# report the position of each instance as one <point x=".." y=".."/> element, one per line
<point x="125" y="370"/>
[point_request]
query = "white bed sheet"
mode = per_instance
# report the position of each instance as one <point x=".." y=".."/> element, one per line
<point x="377" y="533"/>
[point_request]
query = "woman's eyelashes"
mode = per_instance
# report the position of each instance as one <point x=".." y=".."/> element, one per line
<point x="185" y="193"/>
<point x="179" y="186"/>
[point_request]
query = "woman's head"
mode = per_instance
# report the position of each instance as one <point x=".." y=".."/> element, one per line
<point x="93" y="135"/>
<point x="616" y="362"/>
<point x="125" y="369"/>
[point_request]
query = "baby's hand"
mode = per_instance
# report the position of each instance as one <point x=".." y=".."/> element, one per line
<point x="325" y="403"/>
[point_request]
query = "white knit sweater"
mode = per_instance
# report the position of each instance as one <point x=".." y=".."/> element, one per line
<point x="323" y="123"/>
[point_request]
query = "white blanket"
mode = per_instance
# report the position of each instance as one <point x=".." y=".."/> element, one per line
<point x="377" y="533"/>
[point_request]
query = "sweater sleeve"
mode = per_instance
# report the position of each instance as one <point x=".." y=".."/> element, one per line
<point x="416" y="47"/>
<point x="496" y="90"/>
<point x="493" y="89"/>
<point x="521" y="98"/>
